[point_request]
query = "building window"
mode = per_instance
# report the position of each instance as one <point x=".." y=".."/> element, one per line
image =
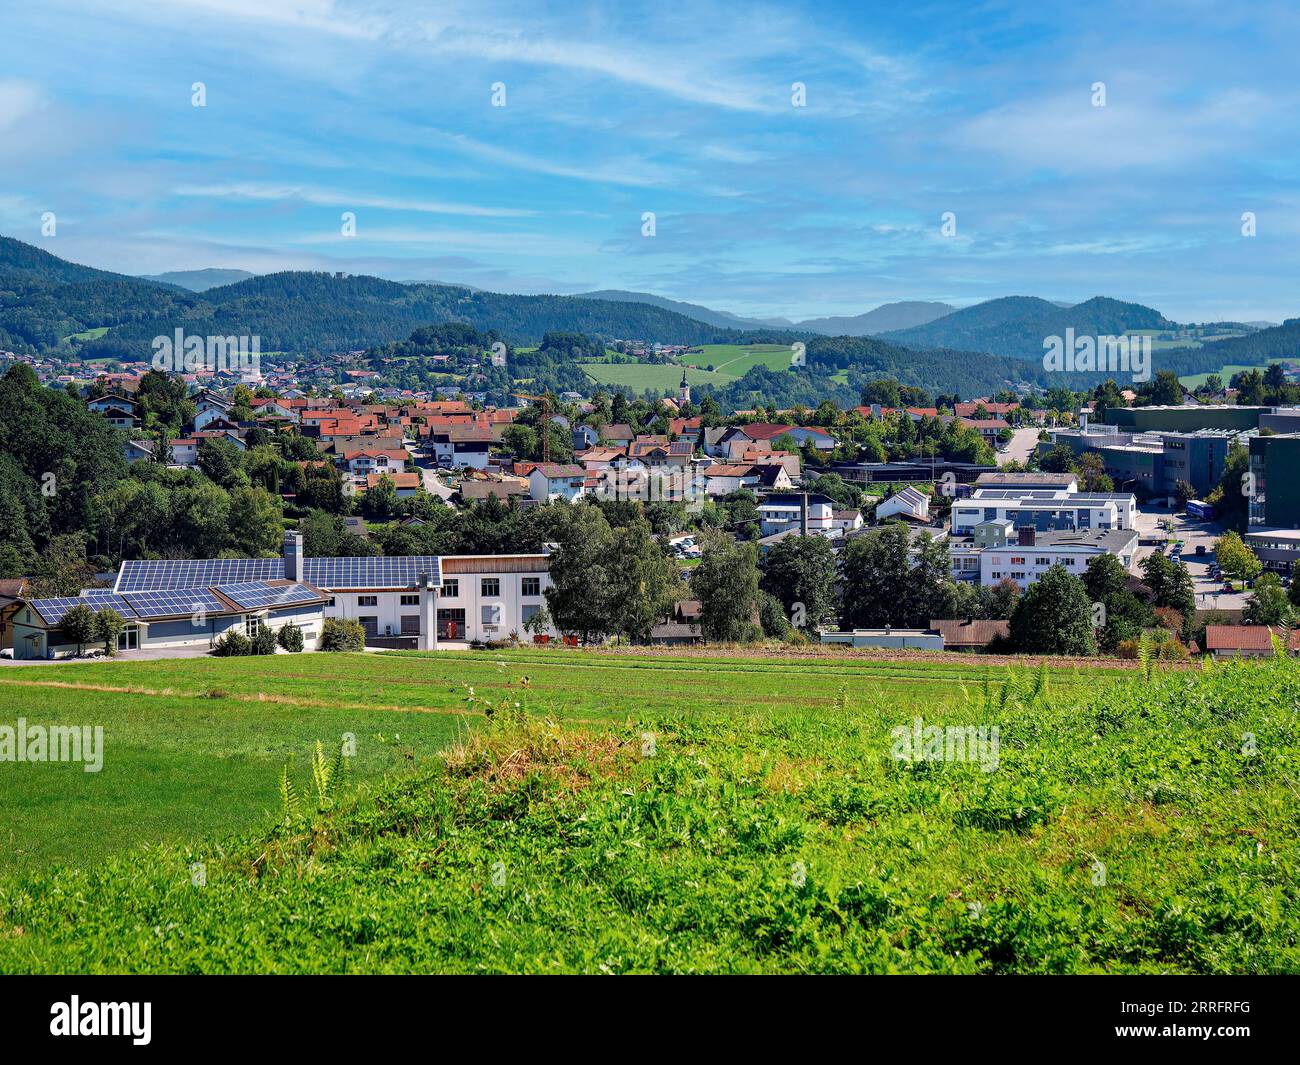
<point x="450" y="589"/>
<point x="491" y="614"/>
<point x="531" y="610"/>
<point x="410" y="600"/>
<point x="490" y="588"/>
<point x="531" y="586"/>
<point x="367" y="600"/>
<point x="252" y="623"/>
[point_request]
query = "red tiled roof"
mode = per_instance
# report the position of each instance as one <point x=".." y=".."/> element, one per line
<point x="1244" y="638"/>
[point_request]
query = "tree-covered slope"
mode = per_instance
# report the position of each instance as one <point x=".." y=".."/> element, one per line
<point x="1016" y="325"/>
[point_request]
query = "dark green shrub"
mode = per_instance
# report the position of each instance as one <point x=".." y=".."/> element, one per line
<point x="290" y="638"/>
<point x="231" y="644"/>
<point x="264" y="642"/>
<point x="342" y="634"/>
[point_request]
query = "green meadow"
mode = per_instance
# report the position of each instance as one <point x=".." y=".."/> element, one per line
<point x="1225" y="373"/>
<point x="559" y="811"/>
<point x="730" y="362"/>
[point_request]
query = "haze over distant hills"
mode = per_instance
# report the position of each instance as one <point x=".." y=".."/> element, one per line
<point x="199" y="280"/>
<point x="889" y="316"/>
<point x="48" y="304"/>
<point x="721" y="319"/>
<point x="883" y="318"/>
<point x="1016" y="325"/>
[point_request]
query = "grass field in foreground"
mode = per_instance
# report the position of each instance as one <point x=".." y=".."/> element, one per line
<point x="180" y="763"/>
<point x="704" y="814"/>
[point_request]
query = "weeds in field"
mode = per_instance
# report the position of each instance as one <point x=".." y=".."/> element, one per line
<point x="756" y="843"/>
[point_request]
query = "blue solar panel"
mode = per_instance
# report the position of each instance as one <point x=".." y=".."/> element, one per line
<point x="400" y="571"/>
<point x="191" y="601"/>
<point x="259" y="594"/>
<point x="169" y="573"/>
<point x="53" y="610"/>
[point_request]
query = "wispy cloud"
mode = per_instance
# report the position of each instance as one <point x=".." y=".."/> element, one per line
<point x="247" y="190"/>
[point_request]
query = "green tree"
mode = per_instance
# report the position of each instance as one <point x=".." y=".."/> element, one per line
<point x="1269" y="604"/>
<point x="222" y="462"/>
<point x="380" y="502"/>
<point x="1054" y="616"/>
<point x="800" y="572"/>
<point x="578" y="597"/>
<point x="726" y="584"/>
<point x="108" y="627"/>
<point x="255" y="524"/>
<point x="1124" y="614"/>
<point x="1236" y="560"/>
<point x="641" y="581"/>
<point x="78" y="625"/>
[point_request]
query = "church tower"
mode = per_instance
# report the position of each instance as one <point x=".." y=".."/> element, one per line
<point x="684" y="392"/>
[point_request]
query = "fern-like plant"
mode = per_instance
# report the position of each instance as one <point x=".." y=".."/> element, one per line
<point x="289" y="805"/>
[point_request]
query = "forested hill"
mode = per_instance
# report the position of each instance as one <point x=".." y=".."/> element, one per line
<point x="1279" y="342"/>
<point x="44" y="299"/>
<point x="1016" y="325"/>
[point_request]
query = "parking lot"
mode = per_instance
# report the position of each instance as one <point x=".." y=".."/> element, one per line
<point x="1209" y="592"/>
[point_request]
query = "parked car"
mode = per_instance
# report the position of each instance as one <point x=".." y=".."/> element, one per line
<point x="1200" y="549"/>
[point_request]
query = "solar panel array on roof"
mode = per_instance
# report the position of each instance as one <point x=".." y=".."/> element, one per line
<point x="163" y="604"/>
<point x="54" y="610"/>
<point x="398" y="571"/>
<point x="167" y="573"/>
<point x="257" y="594"/>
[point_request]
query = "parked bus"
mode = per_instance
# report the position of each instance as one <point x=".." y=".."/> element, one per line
<point x="1200" y="510"/>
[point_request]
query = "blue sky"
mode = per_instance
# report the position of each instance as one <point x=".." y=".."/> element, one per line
<point x="318" y="107"/>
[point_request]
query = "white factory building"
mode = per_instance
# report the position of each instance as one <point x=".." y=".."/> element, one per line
<point x="1044" y="509"/>
<point x="997" y="552"/>
<point x="189" y="603"/>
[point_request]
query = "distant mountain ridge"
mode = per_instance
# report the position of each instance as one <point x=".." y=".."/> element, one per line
<point x="720" y="319"/>
<point x="1016" y="325"/>
<point x="200" y="280"/>
<point x="297" y="311"/>
<point x="905" y="314"/>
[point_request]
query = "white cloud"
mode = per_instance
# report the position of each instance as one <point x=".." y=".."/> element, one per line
<point x="19" y="100"/>
<point x="252" y="190"/>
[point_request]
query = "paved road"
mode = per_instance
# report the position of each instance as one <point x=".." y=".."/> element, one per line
<point x="434" y="486"/>
<point x="1022" y="445"/>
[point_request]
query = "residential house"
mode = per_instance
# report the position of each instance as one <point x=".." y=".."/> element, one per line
<point x="117" y="410"/>
<point x="792" y="512"/>
<point x="910" y="504"/>
<point x="556" y="481"/>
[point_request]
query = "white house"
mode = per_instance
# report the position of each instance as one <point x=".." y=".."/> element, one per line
<point x="909" y="503"/>
<point x="363" y="462"/>
<point x="461" y="447"/>
<point x="556" y="481"/>
<point x="118" y="410"/>
<point x="788" y="512"/>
